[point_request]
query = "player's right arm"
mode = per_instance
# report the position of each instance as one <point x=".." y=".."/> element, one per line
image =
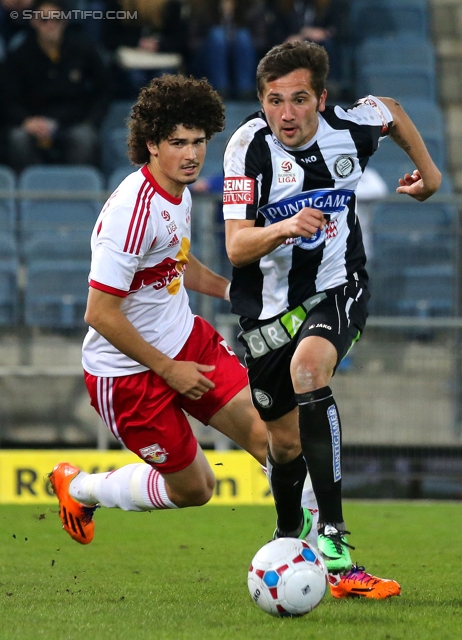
<point x="104" y="314"/>
<point x="246" y="243"/>
<point x="245" y="161"/>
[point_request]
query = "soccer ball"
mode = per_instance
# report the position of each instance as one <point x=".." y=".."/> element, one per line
<point x="287" y="577"/>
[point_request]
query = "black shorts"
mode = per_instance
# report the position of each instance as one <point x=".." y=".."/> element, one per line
<point x="340" y="318"/>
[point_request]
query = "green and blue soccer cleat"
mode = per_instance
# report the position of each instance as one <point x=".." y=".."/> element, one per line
<point x="334" y="548"/>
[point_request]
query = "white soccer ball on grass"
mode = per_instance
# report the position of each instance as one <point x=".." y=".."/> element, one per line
<point x="287" y="577"/>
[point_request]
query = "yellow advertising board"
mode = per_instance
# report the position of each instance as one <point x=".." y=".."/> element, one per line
<point x="24" y="474"/>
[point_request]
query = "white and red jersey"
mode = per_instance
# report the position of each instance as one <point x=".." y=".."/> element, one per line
<point x="140" y="246"/>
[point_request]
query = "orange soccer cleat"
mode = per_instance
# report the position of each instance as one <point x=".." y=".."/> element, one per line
<point x="77" y="518"/>
<point x="357" y="583"/>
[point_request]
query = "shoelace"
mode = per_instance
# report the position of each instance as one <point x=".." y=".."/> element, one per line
<point x="338" y="542"/>
<point x="365" y="578"/>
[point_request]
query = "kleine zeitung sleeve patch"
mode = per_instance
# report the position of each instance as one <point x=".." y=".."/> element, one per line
<point x="239" y="190"/>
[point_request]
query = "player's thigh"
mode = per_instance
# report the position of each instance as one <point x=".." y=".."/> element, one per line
<point x="340" y="319"/>
<point x="239" y="420"/>
<point x="144" y="413"/>
<point x="207" y="346"/>
<point x="271" y="384"/>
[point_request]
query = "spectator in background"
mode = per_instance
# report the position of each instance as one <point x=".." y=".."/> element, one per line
<point x="322" y="21"/>
<point x="159" y="27"/>
<point x="56" y="94"/>
<point x="222" y="48"/>
<point x="13" y="30"/>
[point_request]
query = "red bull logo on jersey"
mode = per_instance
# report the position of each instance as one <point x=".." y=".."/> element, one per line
<point x="238" y="190"/>
<point x="154" y="454"/>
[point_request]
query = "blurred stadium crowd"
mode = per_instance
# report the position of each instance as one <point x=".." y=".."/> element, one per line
<point x="69" y="74"/>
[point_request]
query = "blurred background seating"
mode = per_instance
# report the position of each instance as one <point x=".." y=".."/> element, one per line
<point x="406" y="370"/>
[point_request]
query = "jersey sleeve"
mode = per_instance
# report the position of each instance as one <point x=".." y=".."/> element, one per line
<point x="374" y="120"/>
<point x="375" y="112"/>
<point x="242" y="171"/>
<point x="120" y="242"/>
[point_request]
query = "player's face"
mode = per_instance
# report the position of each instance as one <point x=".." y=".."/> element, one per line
<point x="177" y="161"/>
<point x="291" y="107"/>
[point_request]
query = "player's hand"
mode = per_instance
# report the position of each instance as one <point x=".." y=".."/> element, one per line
<point x="416" y="187"/>
<point x="305" y="223"/>
<point x="187" y="378"/>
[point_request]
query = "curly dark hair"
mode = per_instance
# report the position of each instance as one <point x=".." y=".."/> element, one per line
<point x="290" y="56"/>
<point x="168" y="102"/>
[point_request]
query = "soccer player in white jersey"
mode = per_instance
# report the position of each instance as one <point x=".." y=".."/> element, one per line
<point x="299" y="279"/>
<point x="146" y="357"/>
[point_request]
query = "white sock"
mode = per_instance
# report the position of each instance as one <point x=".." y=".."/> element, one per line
<point x="309" y="501"/>
<point x="135" y="487"/>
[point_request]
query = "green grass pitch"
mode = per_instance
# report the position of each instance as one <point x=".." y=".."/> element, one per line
<point x="182" y="575"/>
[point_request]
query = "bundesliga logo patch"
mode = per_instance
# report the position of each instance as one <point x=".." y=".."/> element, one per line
<point x="238" y="190"/>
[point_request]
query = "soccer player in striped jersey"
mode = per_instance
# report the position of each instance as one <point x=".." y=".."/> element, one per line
<point x="299" y="278"/>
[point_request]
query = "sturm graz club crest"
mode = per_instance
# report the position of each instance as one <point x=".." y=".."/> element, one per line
<point x="344" y="166"/>
<point x="263" y="398"/>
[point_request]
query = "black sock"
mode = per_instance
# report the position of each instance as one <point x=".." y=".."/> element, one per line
<point x="286" y="481"/>
<point x="321" y="439"/>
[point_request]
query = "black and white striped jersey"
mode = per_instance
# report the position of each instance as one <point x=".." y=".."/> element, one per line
<point x="267" y="182"/>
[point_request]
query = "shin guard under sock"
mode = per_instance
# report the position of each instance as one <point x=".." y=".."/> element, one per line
<point x="286" y="482"/>
<point x="321" y="439"/>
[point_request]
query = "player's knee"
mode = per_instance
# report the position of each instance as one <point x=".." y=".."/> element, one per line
<point x="199" y="497"/>
<point x="197" y="494"/>
<point x="284" y="446"/>
<point x="309" y="375"/>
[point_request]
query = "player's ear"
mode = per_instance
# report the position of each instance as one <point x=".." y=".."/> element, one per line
<point x="152" y="148"/>
<point x="322" y="101"/>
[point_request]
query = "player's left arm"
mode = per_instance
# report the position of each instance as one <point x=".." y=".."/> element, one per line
<point x="426" y="179"/>
<point x="200" y="278"/>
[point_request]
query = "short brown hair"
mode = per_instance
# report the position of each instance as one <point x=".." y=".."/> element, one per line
<point x="170" y="101"/>
<point x="290" y="56"/>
